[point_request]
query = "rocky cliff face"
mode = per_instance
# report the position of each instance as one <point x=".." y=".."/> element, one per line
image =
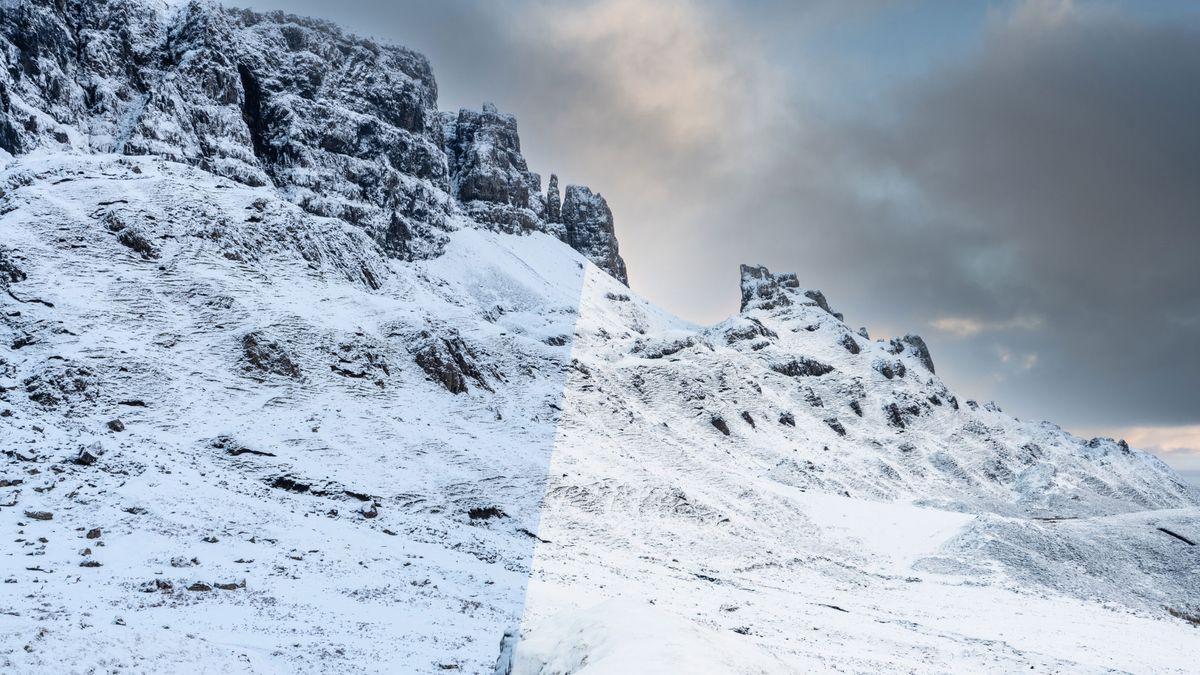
<point x="340" y="125"/>
<point x="589" y="229"/>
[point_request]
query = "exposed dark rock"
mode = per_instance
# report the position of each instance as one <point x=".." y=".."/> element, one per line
<point x="894" y="418"/>
<point x="484" y="153"/>
<point x="116" y="425"/>
<point x="252" y="112"/>
<point x="761" y="289"/>
<point x="157" y="585"/>
<point x="920" y="350"/>
<point x="850" y="344"/>
<point x="93" y="533"/>
<point x="268" y="356"/>
<point x="59" y="383"/>
<point x="589" y="230"/>
<point x="10" y="272"/>
<point x="751" y="329"/>
<point x="358" y="359"/>
<point x="749" y="419"/>
<point x="720" y="425"/>
<point x="233" y="448"/>
<point x="802" y="367"/>
<point x="449" y="361"/>
<point x="1190" y="617"/>
<point x="290" y="484"/>
<point x="237" y="93"/>
<point x="819" y="298"/>
<point x="88" y="456"/>
<point x="39" y="515"/>
<point x="199" y="587"/>
<point x="812" y="399"/>
<point x="857" y="408"/>
<point x="131" y="236"/>
<point x="139" y="243"/>
<point x="836" y="425"/>
<point x="884" y="368"/>
<point x="553" y="201"/>
<point x="1176" y="535"/>
<point x="787" y="419"/>
<point x="658" y="350"/>
<point x="485" y="513"/>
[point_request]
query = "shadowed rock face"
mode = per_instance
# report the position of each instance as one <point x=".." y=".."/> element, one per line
<point x="918" y="347"/>
<point x="761" y="289"/>
<point x="488" y="173"/>
<point x="347" y="128"/>
<point x="484" y="151"/>
<point x="553" y="201"/>
<point x="589" y="230"/>
<point x="343" y="126"/>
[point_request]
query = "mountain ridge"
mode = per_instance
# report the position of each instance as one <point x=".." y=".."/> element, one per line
<point x="341" y="125"/>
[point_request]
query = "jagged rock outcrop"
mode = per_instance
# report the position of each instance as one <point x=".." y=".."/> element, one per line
<point x="449" y="361"/>
<point x="917" y="346"/>
<point x="488" y="173"/>
<point x="489" y="176"/>
<point x="766" y="291"/>
<point x="343" y="126"/>
<point x="10" y="271"/>
<point x="553" y="201"/>
<point x="763" y="290"/>
<point x="589" y="230"/>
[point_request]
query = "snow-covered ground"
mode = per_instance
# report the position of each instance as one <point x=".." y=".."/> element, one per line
<point x="316" y="498"/>
<point x="190" y="490"/>
<point x="797" y="542"/>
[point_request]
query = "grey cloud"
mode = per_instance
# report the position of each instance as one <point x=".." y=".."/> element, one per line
<point x="1059" y="168"/>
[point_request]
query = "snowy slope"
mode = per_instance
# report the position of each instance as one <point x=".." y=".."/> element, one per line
<point x="273" y="402"/>
<point x="965" y="540"/>
<point x="158" y="344"/>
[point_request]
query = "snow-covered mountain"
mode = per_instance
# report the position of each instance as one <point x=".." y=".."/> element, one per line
<point x="302" y="374"/>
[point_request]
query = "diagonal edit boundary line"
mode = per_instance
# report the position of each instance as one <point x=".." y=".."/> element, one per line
<point x="511" y="638"/>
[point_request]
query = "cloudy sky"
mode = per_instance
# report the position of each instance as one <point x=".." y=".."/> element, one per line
<point x="1019" y="182"/>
